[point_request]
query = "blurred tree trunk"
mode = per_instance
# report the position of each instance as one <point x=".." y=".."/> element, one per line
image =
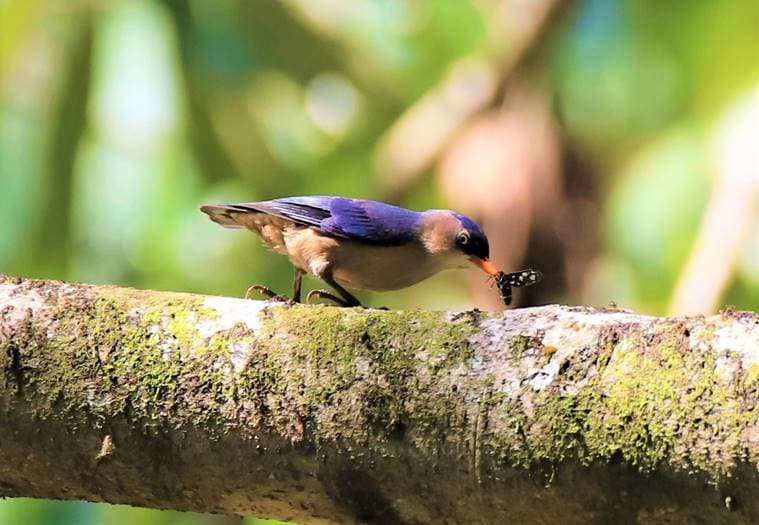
<point x="51" y="252"/>
<point x="328" y="415"/>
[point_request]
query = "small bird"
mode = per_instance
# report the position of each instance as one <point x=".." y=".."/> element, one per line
<point x="358" y="244"/>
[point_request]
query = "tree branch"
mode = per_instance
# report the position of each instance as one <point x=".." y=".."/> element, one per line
<point x="324" y="415"/>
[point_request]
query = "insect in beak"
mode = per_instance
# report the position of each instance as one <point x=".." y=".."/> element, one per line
<point x="507" y="281"/>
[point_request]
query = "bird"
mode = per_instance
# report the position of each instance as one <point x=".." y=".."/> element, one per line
<point x="358" y="244"/>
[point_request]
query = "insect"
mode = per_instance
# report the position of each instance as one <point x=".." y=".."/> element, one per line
<point x="519" y="279"/>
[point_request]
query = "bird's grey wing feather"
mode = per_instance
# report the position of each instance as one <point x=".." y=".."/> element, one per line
<point x="305" y="211"/>
<point x="360" y="220"/>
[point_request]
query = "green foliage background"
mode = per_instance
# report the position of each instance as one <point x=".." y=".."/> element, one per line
<point x="118" y="118"/>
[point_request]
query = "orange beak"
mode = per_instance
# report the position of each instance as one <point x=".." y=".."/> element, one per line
<point x="487" y="266"/>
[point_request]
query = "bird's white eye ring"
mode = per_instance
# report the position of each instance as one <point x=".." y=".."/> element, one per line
<point x="463" y="238"/>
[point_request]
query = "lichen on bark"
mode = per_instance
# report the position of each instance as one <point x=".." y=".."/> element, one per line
<point x="321" y="414"/>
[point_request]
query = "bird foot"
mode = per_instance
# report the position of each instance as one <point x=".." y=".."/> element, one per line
<point x="266" y="292"/>
<point x="324" y="294"/>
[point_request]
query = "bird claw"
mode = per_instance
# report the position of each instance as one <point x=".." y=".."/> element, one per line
<point x="266" y="292"/>
<point x="324" y="294"/>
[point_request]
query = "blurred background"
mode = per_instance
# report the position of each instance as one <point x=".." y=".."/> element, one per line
<point x="614" y="145"/>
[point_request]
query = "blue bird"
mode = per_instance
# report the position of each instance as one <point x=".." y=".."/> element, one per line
<point x="358" y="244"/>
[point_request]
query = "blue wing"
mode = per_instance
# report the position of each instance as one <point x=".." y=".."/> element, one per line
<point x="371" y="222"/>
<point x="361" y="220"/>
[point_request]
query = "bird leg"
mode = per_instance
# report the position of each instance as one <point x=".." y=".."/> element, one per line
<point x="265" y="291"/>
<point x="347" y="299"/>
<point x="270" y="294"/>
<point x="324" y="294"/>
<point x="297" y="284"/>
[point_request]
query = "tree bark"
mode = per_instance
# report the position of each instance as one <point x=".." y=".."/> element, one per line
<point x="319" y="414"/>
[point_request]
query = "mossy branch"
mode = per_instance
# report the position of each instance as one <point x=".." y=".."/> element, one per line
<point x="325" y="415"/>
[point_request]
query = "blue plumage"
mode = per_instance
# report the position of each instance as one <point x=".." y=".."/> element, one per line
<point x="370" y="221"/>
<point x="366" y="221"/>
<point x="470" y="225"/>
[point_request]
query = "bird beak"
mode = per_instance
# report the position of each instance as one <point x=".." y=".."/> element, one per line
<point x="487" y="266"/>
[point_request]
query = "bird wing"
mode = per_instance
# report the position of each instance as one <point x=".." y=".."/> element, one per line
<point x="370" y="222"/>
<point x="306" y="211"/>
<point x="366" y="221"/>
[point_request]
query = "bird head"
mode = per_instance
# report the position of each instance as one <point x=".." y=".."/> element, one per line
<point x="456" y="239"/>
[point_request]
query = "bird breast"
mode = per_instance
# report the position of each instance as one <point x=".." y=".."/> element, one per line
<point x="358" y="265"/>
<point x="381" y="268"/>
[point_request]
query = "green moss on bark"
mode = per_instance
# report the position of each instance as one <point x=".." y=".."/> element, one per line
<point x="369" y="375"/>
<point x="113" y="353"/>
<point x="368" y="406"/>
<point x="359" y="374"/>
<point x="647" y="399"/>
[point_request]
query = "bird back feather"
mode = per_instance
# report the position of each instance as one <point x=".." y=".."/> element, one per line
<point x="365" y="221"/>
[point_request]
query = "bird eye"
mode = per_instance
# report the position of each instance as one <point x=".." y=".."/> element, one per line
<point x="463" y="238"/>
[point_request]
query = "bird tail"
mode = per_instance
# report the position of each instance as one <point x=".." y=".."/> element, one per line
<point x="222" y="214"/>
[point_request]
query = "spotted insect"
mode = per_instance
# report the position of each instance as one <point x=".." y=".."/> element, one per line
<point x="506" y="281"/>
